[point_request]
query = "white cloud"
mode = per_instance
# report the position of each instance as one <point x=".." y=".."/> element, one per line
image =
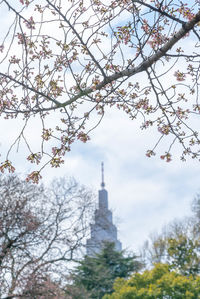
<point x="144" y="193"/>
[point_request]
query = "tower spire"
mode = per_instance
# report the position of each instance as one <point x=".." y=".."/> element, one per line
<point x="102" y="230"/>
<point x="102" y="175"/>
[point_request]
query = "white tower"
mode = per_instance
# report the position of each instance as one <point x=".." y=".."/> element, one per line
<point x="103" y="230"/>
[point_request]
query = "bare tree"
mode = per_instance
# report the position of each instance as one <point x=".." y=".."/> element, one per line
<point x="177" y="245"/>
<point x="40" y="234"/>
<point x="72" y="59"/>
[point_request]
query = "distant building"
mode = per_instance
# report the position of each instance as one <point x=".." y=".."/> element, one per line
<point x="102" y="230"/>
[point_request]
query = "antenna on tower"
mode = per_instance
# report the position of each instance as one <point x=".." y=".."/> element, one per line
<point x="102" y="175"/>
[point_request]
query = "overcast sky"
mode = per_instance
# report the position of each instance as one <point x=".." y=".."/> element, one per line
<point x="144" y="194"/>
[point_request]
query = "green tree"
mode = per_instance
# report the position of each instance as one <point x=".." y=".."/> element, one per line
<point x="159" y="283"/>
<point x="180" y="253"/>
<point x="183" y="254"/>
<point x="96" y="274"/>
<point x="177" y="245"/>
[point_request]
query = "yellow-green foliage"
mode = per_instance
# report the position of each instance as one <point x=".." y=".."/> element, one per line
<point x="158" y="283"/>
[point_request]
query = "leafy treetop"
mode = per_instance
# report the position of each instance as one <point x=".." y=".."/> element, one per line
<point x="158" y="283"/>
<point x="95" y="276"/>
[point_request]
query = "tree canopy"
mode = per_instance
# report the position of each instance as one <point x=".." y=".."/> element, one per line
<point x="95" y="276"/>
<point x="158" y="283"/>
<point x="65" y="62"/>
<point x="177" y="245"/>
<point x="41" y="232"/>
<point x="171" y="261"/>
